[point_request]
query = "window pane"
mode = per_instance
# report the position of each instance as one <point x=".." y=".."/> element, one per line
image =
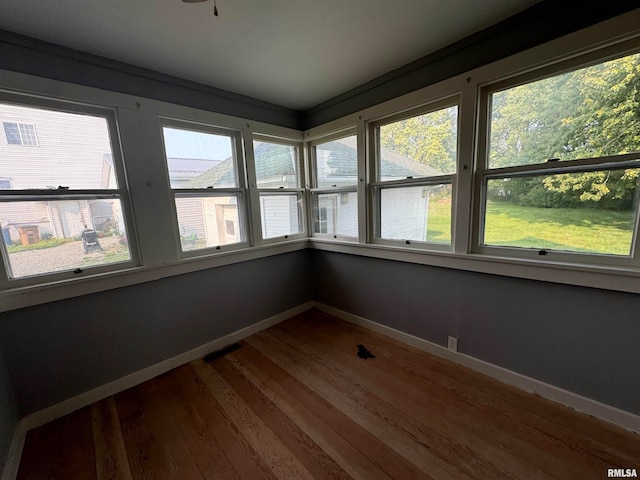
<point x="70" y="150"/>
<point x="336" y="163"/>
<point x="421" y="146"/>
<point x="51" y="236"/>
<point x="208" y="221"/>
<point x="418" y="213"/>
<point x="590" y="112"/>
<point x="200" y="159"/>
<point x="276" y="165"/>
<point x="336" y="213"/>
<point x="280" y="215"/>
<point x="590" y="212"/>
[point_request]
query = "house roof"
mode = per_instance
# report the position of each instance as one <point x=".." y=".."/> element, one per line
<point x="188" y="167"/>
<point x="273" y="160"/>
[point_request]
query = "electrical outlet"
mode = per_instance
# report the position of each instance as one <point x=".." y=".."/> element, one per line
<point x="453" y="344"/>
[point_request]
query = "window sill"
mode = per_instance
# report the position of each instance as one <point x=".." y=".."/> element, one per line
<point x="623" y="279"/>
<point x="21" y="297"/>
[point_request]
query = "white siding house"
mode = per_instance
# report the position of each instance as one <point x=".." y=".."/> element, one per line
<point x="43" y="149"/>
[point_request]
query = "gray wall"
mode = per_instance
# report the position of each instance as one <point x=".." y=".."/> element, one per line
<point x="57" y="350"/>
<point x="8" y="414"/>
<point x="35" y="57"/>
<point x="580" y="339"/>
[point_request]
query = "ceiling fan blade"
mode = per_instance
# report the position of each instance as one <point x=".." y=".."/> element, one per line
<point x="194" y="1"/>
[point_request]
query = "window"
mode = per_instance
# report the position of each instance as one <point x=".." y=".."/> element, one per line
<point x="207" y="182"/>
<point x="416" y="159"/>
<point x="20" y="134"/>
<point x="335" y="184"/>
<point x="63" y="207"/>
<point x="562" y="164"/>
<point x="279" y="184"/>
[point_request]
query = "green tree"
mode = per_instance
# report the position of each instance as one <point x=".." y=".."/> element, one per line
<point x="430" y="139"/>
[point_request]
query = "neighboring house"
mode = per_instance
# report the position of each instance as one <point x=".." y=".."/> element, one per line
<point x="215" y="219"/>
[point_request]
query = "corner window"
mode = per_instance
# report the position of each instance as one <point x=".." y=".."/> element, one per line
<point x="416" y="159"/>
<point x="63" y="207"/>
<point x="335" y="184"/>
<point x="279" y="183"/>
<point x="207" y="182"/>
<point x="563" y="163"/>
<point x="20" y="133"/>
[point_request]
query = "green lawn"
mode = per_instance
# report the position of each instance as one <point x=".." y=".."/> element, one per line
<point x="582" y="230"/>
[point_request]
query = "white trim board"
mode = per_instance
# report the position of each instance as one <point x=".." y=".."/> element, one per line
<point x="572" y="400"/>
<point x="72" y="404"/>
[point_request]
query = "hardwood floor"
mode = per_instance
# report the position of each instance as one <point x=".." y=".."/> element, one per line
<point x="296" y="402"/>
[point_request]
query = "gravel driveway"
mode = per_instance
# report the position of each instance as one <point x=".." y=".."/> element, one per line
<point x="64" y="257"/>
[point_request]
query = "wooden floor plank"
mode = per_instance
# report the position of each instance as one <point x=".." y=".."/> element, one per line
<point x="304" y="415"/>
<point x="110" y="452"/>
<point x="502" y="402"/>
<point x="320" y="465"/>
<point x="406" y="437"/>
<point x="205" y="449"/>
<point x="296" y="402"/>
<point x="372" y="448"/>
<point x="473" y="444"/>
<point x="274" y="453"/>
<point x="243" y="457"/>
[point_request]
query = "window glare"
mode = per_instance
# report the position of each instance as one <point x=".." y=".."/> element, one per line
<point x="591" y="112"/>
<point x="43" y="237"/>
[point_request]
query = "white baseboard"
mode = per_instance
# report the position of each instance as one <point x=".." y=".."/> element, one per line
<point x="65" y="407"/>
<point x="577" y="402"/>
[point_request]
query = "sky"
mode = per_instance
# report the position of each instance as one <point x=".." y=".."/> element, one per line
<point x="191" y="144"/>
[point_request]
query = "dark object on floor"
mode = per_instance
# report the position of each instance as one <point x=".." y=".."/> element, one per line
<point x="210" y="357"/>
<point x="364" y="353"/>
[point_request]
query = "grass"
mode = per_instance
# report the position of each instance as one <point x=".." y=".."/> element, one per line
<point x="54" y="242"/>
<point x="578" y="230"/>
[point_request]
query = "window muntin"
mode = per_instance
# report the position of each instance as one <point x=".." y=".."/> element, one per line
<point x="562" y="162"/>
<point x="586" y="113"/>
<point x="61" y="208"/>
<point x="207" y="182"/>
<point x="415" y="165"/>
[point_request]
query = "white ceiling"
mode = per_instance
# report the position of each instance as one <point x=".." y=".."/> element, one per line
<point x="296" y="53"/>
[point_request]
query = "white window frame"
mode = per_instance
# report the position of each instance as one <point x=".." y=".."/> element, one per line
<point x="316" y="191"/>
<point x="25" y="138"/>
<point x="64" y="193"/>
<point x="256" y="193"/>
<point x="240" y="191"/>
<point x="483" y="173"/>
<point x="376" y="185"/>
